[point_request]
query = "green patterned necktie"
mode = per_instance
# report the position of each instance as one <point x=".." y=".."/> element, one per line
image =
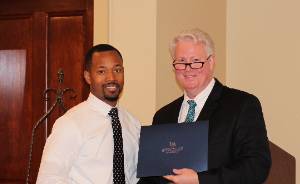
<point x="191" y="112"/>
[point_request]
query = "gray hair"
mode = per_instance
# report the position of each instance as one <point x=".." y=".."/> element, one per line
<point x="197" y="36"/>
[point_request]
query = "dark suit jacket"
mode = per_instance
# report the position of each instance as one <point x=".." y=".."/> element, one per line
<point x="238" y="150"/>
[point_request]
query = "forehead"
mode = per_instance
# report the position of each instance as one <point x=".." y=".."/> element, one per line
<point x="106" y="59"/>
<point x="189" y="48"/>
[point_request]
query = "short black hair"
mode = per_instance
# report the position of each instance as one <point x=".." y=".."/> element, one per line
<point x="98" y="48"/>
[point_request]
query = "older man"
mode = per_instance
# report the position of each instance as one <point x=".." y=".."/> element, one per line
<point x="238" y="151"/>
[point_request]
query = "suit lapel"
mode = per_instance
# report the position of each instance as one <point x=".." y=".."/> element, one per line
<point x="209" y="107"/>
<point x="212" y="102"/>
<point x="176" y="109"/>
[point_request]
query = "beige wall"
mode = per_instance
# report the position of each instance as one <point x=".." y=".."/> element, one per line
<point x="174" y="16"/>
<point x="101" y="21"/>
<point x="130" y="26"/>
<point x="132" y="29"/>
<point x="263" y="50"/>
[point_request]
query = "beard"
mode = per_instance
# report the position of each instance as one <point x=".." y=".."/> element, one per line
<point x="112" y="96"/>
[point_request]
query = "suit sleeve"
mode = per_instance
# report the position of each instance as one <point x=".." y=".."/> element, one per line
<point x="250" y="150"/>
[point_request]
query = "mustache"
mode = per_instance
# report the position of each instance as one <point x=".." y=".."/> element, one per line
<point x="112" y="83"/>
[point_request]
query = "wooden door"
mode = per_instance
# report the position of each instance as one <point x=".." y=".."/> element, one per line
<point x="36" y="39"/>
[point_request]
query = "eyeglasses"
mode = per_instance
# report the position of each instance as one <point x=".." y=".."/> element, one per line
<point x="181" y="64"/>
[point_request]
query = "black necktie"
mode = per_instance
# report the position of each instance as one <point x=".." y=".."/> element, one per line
<point x="118" y="159"/>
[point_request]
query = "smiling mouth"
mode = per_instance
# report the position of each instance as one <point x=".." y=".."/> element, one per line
<point x="112" y="87"/>
<point x="189" y="76"/>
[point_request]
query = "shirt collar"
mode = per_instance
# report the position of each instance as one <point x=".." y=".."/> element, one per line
<point x="98" y="105"/>
<point x="203" y="94"/>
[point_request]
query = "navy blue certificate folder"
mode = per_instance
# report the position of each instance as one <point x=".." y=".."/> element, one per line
<point x="172" y="146"/>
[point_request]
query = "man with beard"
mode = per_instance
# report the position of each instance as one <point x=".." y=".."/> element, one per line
<point x="97" y="140"/>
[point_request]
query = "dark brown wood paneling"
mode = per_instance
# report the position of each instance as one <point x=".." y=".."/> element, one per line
<point x="66" y="43"/>
<point x="12" y="95"/>
<point x="16" y="32"/>
<point x="283" y="168"/>
<point x="55" y="34"/>
<point x="21" y="6"/>
<point x="37" y="86"/>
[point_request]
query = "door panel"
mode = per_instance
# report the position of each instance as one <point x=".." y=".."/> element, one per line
<point x="64" y="54"/>
<point x="15" y="32"/>
<point x="36" y="39"/>
<point x="12" y="91"/>
<point x="29" y="6"/>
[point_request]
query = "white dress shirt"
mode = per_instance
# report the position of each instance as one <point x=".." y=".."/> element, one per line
<point x="80" y="147"/>
<point x="200" y="100"/>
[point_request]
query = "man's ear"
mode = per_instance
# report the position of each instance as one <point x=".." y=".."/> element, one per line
<point x="87" y="77"/>
<point x="212" y="62"/>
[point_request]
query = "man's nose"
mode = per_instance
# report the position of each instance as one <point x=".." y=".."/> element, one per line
<point x="110" y="75"/>
<point x="188" y="67"/>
